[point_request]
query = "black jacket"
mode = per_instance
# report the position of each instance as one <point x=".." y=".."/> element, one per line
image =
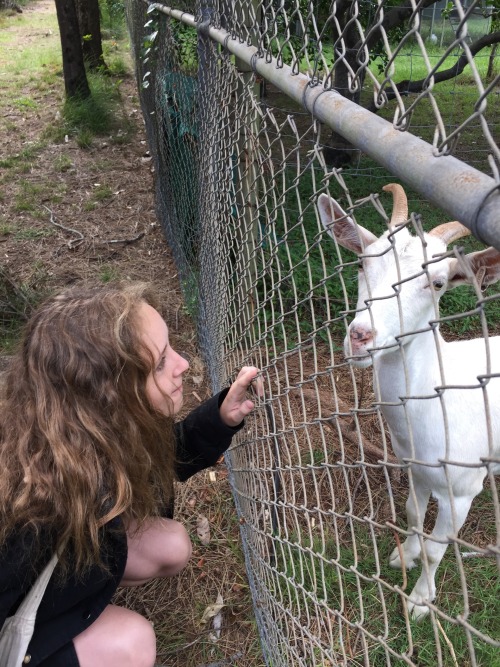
<point x="69" y="607"/>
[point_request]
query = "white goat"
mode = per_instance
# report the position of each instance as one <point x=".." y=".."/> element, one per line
<point x="429" y="390"/>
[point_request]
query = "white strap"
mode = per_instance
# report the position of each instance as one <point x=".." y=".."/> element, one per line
<point x="31" y="602"/>
<point x="17" y="630"/>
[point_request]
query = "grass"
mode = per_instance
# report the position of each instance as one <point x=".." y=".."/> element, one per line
<point x="31" y="83"/>
<point x="17" y="302"/>
<point x="340" y="576"/>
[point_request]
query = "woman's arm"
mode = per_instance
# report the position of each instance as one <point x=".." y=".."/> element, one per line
<point x="202" y="437"/>
<point x="207" y="432"/>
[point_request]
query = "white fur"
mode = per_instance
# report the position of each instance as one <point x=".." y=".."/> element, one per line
<point x="426" y="425"/>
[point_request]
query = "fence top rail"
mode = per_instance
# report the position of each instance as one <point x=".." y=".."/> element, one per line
<point x="463" y="192"/>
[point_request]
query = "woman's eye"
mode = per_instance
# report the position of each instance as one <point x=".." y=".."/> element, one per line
<point x="161" y="365"/>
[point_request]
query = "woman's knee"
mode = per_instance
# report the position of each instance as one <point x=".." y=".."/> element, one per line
<point x="118" y="638"/>
<point x="177" y="550"/>
<point x="161" y="548"/>
<point x="139" y="643"/>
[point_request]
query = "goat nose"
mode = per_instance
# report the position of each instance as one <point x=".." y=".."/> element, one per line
<point x="360" y="335"/>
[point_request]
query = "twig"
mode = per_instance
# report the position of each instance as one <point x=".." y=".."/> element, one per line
<point x="370" y="449"/>
<point x="448" y="642"/>
<point x="72" y="243"/>
<point x="223" y="663"/>
<point x="477" y="554"/>
<point x="125" y="241"/>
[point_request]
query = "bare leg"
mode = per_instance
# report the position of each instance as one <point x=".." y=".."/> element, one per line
<point x="121" y="637"/>
<point x="161" y="548"/>
<point x="117" y="638"/>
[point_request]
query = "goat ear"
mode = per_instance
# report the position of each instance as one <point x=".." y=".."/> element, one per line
<point x="484" y="265"/>
<point x="342" y="227"/>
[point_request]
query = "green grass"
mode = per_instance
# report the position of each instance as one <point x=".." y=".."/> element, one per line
<point x="341" y="578"/>
<point x="17" y="302"/>
<point x="97" y="115"/>
<point x="41" y="69"/>
<point x="108" y="273"/>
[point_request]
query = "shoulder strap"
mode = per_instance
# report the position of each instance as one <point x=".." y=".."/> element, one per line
<point x="31" y="602"/>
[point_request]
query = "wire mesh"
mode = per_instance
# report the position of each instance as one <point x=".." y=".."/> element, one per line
<point x="368" y="504"/>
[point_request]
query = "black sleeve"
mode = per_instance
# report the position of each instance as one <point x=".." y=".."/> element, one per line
<point x="202" y="437"/>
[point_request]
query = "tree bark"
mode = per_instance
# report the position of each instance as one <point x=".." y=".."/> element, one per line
<point x="75" y="77"/>
<point x="89" y="21"/>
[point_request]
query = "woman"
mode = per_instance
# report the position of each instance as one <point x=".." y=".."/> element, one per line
<point x="88" y="455"/>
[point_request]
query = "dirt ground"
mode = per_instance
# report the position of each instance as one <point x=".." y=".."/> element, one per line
<point x="72" y="216"/>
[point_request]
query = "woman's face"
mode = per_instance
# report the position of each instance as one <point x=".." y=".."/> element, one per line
<point x="165" y="380"/>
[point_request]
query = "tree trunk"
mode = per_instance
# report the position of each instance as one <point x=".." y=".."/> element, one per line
<point x="491" y="63"/>
<point x="75" y="78"/>
<point x="89" y="20"/>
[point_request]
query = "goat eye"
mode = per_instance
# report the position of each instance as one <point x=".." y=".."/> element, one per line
<point x="438" y="284"/>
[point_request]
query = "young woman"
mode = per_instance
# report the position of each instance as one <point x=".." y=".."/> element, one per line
<point x="89" y="452"/>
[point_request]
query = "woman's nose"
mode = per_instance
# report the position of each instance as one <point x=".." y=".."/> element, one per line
<point x="183" y="364"/>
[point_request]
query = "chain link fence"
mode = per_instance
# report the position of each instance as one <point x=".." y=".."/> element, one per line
<point x="368" y="504"/>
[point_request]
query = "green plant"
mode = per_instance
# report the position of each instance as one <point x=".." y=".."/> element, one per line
<point x="26" y="103"/>
<point x="102" y="192"/>
<point x="6" y="229"/>
<point x="100" y="114"/>
<point x="108" y="273"/>
<point x="84" y="138"/>
<point x="17" y="301"/>
<point x="112" y="18"/>
<point x="63" y="163"/>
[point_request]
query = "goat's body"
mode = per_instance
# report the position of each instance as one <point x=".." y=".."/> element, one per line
<point x="411" y="403"/>
<point x="418" y="415"/>
<point x="440" y="399"/>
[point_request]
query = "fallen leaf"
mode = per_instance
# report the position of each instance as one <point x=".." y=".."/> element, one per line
<point x="203" y="529"/>
<point x="217" y="622"/>
<point x="212" y="610"/>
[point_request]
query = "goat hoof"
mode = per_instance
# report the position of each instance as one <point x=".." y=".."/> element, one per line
<point x="395" y="561"/>
<point x="417" y="611"/>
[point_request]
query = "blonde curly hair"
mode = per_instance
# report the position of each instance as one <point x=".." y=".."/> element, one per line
<point x="80" y="443"/>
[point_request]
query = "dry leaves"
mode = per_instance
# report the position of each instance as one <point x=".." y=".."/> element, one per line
<point x="203" y="530"/>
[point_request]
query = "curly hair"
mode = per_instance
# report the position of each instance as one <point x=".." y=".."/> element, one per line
<point x="80" y="443"/>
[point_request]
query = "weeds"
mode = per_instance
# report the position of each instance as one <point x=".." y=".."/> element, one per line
<point x="17" y="302"/>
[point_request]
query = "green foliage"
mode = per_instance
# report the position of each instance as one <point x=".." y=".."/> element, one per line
<point x="112" y="18"/>
<point x="186" y="40"/>
<point x="108" y="273"/>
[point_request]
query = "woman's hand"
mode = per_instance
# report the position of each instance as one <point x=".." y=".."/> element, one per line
<point x="236" y="406"/>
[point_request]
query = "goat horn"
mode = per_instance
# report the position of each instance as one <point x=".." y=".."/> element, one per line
<point x="400" y="204"/>
<point x="450" y="231"/>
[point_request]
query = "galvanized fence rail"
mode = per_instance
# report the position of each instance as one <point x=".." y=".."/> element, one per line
<point x="257" y="112"/>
